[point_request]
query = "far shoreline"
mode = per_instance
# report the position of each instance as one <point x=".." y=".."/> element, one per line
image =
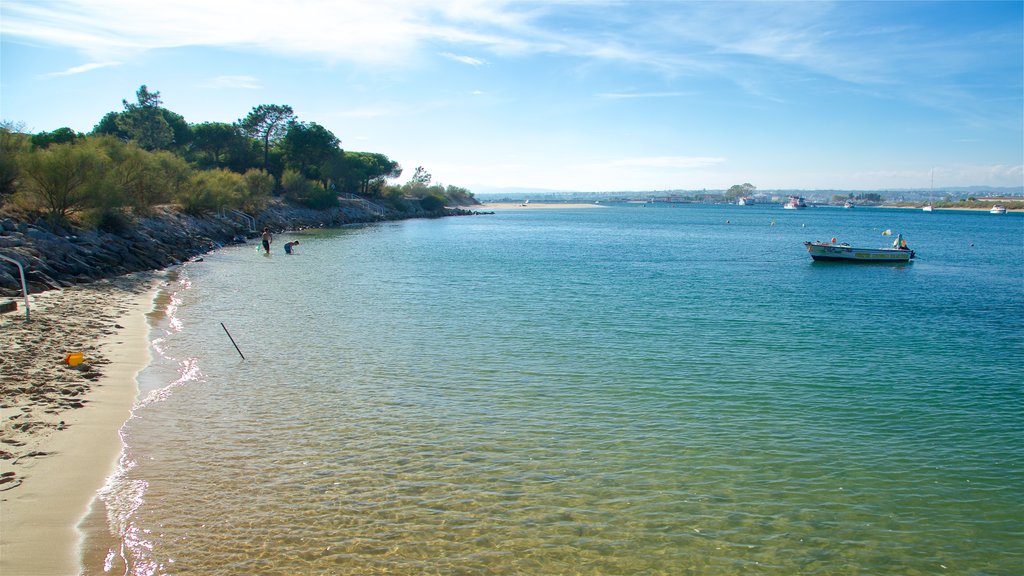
<point x="534" y="205"/>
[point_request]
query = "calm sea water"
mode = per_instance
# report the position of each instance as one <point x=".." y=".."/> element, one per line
<point x="627" y="390"/>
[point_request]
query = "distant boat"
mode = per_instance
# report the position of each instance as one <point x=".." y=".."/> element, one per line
<point x="848" y="204"/>
<point x="927" y="208"/>
<point x="831" y="252"/>
<point x="526" y="203"/>
<point x="745" y="202"/>
<point x="794" y="203"/>
<point x="998" y="209"/>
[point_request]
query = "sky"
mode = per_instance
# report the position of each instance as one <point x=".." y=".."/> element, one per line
<point x="579" y="95"/>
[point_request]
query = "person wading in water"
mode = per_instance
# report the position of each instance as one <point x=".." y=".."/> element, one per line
<point x="267" y="239"/>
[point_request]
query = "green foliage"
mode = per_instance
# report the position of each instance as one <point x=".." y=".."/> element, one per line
<point x="212" y="191"/>
<point x="63" y="178"/>
<point x="432" y="202"/>
<point x="147" y="155"/>
<point x="738" y="191"/>
<point x="59" y="136"/>
<point x="144" y="122"/>
<point x="307" y="148"/>
<point x="870" y="197"/>
<point x="299" y="189"/>
<point x="219" y="145"/>
<point x="176" y="173"/>
<point x="268" y="123"/>
<point x="362" y="172"/>
<point x="259" y="185"/>
<point x="12" y="144"/>
<point x="421" y="176"/>
<point x="106" y="219"/>
<point x="459" y="196"/>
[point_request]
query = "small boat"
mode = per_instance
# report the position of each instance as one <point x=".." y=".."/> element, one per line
<point x="927" y="208"/>
<point x="998" y="209"/>
<point x="745" y="202"/>
<point x="794" y="203"/>
<point x="848" y="204"/>
<point x="832" y="252"/>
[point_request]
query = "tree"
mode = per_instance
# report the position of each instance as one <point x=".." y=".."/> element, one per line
<point x="212" y="190"/>
<point x="259" y="185"/>
<point x="268" y="123"/>
<point x="138" y="178"/>
<point x="109" y="125"/>
<point x="63" y="176"/>
<point x="361" y="172"/>
<point x="432" y="202"/>
<point x="216" y="144"/>
<point x="58" y="136"/>
<point x="307" y="147"/>
<point x="13" y="142"/>
<point x="421" y="176"/>
<point x="459" y="196"/>
<point x="739" y="191"/>
<point x="298" y="188"/>
<point x="144" y="121"/>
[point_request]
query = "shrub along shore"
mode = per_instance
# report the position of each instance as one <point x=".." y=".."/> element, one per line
<point x="55" y="256"/>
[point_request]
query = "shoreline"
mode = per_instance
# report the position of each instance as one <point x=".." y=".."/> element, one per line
<point x="533" y="206"/>
<point x="61" y="426"/>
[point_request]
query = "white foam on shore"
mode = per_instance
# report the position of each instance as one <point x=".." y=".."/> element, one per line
<point x="39" y="522"/>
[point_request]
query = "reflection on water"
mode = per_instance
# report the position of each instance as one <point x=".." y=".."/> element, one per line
<point x="613" y="391"/>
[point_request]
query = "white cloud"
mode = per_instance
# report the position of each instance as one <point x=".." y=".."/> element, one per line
<point x="82" y="69"/>
<point x="464" y="59"/>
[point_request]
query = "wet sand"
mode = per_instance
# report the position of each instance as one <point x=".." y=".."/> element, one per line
<point x="59" y="425"/>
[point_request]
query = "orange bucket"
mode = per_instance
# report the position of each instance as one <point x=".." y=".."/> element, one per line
<point x="74" y="358"/>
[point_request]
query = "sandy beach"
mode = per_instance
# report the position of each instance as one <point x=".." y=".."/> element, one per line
<point x="59" y="425"/>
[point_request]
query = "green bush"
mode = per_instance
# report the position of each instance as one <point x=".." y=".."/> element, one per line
<point x="432" y="203"/>
<point x="299" y="189"/>
<point x="107" y="219"/>
<point x="64" y="178"/>
<point x="212" y="191"/>
<point x="259" y="186"/>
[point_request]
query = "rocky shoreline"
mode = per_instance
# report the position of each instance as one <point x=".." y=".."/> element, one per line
<point x="55" y="256"/>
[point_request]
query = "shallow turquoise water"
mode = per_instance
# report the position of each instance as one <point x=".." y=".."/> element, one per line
<point x="628" y="390"/>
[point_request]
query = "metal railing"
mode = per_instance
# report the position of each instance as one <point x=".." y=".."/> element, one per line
<point x="24" y="285"/>
<point x="375" y="209"/>
<point x="250" y="220"/>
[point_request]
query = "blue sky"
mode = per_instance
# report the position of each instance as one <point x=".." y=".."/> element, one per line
<point x="566" y="95"/>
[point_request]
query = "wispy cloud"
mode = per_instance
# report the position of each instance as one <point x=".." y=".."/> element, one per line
<point x="763" y="48"/>
<point x="81" y="69"/>
<point x="464" y="59"/>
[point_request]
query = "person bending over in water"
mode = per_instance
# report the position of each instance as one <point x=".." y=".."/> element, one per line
<point x="267" y="239"/>
<point x="289" y="245"/>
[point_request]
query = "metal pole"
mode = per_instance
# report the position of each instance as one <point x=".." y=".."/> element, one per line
<point x="24" y="285"/>
<point x="232" y="339"/>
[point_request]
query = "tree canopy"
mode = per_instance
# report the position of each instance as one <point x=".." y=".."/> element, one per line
<point x="267" y="123"/>
<point x="145" y="154"/>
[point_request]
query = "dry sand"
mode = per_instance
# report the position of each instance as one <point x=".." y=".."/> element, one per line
<point x="59" y="426"/>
